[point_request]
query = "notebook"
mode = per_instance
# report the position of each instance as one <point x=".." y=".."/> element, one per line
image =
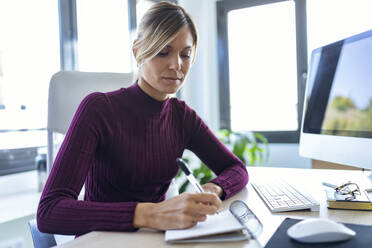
<point x="221" y="227"/>
<point x="360" y="202"/>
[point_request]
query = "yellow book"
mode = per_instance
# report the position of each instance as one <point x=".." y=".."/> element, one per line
<point x="337" y="201"/>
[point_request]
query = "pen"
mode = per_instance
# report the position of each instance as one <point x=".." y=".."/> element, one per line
<point x="329" y="185"/>
<point x="185" y="168"/>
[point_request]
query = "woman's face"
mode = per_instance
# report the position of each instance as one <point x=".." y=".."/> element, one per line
<point x="165" y="73"/>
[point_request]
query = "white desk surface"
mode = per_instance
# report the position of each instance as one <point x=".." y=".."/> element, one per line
<point x="305" y="177"/>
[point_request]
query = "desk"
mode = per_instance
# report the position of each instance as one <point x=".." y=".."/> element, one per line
<point x="309" y="177"/>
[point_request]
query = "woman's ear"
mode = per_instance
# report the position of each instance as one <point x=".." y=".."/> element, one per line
<point x="134" y="51"/>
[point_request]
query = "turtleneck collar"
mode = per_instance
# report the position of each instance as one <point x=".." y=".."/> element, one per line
<point x="143" y="101"/>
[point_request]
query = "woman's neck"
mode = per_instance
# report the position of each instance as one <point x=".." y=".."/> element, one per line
<point x="151" y="91"/>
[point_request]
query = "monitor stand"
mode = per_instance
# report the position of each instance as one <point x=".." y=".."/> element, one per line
<point x="319" y="164"/>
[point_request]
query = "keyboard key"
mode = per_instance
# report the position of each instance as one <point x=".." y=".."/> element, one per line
<point x="280" y="196"/>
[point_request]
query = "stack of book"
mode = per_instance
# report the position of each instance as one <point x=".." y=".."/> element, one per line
<point x="360" y="202"/>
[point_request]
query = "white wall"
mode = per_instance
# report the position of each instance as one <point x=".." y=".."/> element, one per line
<point x="200" y="90"/>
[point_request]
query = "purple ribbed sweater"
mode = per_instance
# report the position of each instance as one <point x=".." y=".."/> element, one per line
<point x="123" y="145"/>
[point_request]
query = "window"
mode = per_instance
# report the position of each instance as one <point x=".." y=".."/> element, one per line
<point x="332" y="20"/>
<point x="261" y="67"/>
<point x="142" y="6"/>
<point x="103" y="36"/>
<point x="105" y="31"/>
<point x="262" y="62"/>
<point x="263" y="48"/>
<point x="29" y="55"/>
<point x="38" y="38"/>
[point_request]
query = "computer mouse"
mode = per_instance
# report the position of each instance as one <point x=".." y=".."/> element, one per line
<point x="319" y="230"/>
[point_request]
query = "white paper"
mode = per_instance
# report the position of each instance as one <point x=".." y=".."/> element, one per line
<point x="219" y="223"/>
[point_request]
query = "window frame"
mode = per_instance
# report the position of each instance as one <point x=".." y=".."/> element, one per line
<point x="68" y="39"/>
<point x="69" y="32"/>
<point x="223" y="7"/>
<point x="21" y="159"/>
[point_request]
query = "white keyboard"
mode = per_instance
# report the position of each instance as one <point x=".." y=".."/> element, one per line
<point x="279" y="196"/>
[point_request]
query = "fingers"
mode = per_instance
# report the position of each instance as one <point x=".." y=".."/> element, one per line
<point x="213" y="188"/>
<point x="201" y="203"/>
<point x="181" y="221"/>
<point x="194" y="219"/>
<point x="208" y="198"/>
<point x="198" y="208"/>
<point x="182" y="211"/>
<point x="199" y="218"/>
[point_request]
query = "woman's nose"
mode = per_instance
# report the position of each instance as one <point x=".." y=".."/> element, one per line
<point x="175" y="63"/>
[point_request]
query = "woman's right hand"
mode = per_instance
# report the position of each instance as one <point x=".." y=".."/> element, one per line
<point x="182" y="211"/>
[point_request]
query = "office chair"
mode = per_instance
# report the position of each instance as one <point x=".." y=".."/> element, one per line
<point x="66" y="90"/>
<point x="41" y="240"/>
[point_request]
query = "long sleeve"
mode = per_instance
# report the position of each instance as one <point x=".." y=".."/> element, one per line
<point x="59" y="209"/>
<point x="122" y="146"/>
<point x="231" y="173"/>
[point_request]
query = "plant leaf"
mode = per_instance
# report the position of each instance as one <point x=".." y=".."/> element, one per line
<point x="183" y="187"/>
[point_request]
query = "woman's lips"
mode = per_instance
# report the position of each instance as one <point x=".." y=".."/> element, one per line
<point x="172" y="79"/>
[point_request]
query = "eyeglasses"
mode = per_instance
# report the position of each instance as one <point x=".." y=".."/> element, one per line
<point x="348" y="189"/>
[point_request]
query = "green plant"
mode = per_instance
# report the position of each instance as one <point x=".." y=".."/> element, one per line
<point x="251" y="148"/>
<point x="203" y="174"/>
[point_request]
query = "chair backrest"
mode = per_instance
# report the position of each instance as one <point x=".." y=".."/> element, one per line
<point x="41" y="240"/>
<point x="67" y="89"/>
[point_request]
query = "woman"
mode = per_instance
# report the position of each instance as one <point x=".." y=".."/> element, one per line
<point x="123" y="145"/>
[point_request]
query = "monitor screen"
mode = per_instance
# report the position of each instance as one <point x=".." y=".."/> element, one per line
<point x="339" y="98"/>
<point x="338" y="102"/>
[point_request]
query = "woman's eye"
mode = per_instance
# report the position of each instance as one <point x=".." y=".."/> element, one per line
<point x="162" y="54"/>
<point x="185" y="56"/>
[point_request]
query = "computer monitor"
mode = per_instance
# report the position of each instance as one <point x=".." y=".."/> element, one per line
<point x="337" y="116"/>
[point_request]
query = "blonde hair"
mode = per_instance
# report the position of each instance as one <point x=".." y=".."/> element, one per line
<point x="159" y="26"/>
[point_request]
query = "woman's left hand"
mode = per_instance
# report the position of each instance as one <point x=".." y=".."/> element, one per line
<point x="213" y="188"/>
